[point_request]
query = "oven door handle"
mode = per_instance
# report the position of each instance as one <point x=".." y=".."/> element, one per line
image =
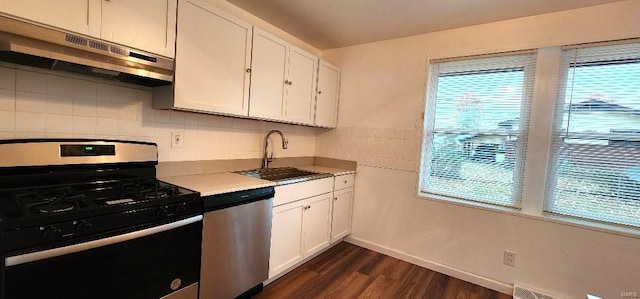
<point x="45" y="254"/>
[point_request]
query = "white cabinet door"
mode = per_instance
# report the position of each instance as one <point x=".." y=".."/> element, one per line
<point x="80" y="16"/>
<point x="268" y="75"/>
<point x="316" y="223"/>
<point x="286" y="237"/>
<point x="327" y="98"/>
<point x="147" y="25"/>
<point x="210" y="77"/>
<point x="342" y="207"/>
<point x="301" y="88"/>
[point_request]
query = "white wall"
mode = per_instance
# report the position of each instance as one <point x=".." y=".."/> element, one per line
<point x="381" y="105"/>
<point x="42" y="104"/>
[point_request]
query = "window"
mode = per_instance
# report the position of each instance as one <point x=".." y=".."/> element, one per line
<point x="595" y="165"/>
<point x="475" y="129"/>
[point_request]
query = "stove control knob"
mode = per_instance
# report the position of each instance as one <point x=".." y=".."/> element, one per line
<point x="52" y="233"/>
<point x="180" y="208"/>
<point x="162" y="211"/>
<point x="83" y="227"/>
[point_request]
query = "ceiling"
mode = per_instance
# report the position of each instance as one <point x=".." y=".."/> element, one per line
<point x="328" y="24"/>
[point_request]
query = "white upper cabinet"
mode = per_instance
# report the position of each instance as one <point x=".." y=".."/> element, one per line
<point x="301" y="88"/>
<point x="71" y="15"/>
<point x="268" y="76"/>
<point x="212" y="61"/>
<point x="282" y="80"/>
<point x="327" y="95"/>
<point x="148" y="25"/>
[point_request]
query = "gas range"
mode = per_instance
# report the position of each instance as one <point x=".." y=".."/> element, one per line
<point x="92" y="212"/>
<point x="67" y="202"/>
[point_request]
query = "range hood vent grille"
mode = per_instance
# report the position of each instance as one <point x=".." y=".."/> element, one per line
<point x="74" y="39"/>
<point x="98" y="45"/>
<point x="119" y="51"/>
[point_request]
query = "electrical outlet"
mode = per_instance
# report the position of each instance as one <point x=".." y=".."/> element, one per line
<point x="177" y="139"/>
<point x="509" y="258"/>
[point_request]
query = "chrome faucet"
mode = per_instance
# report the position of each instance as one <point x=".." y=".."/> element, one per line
<point x="269" y="158"/>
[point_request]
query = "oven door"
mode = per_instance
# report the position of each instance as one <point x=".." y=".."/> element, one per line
<point x="149" y="263"/>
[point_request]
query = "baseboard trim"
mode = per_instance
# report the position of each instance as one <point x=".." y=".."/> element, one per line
<point x="444" y="269"/>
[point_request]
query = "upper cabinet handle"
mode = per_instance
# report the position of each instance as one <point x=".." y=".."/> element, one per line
<point x="248" y="70"/>
<point x="319" y="92"/>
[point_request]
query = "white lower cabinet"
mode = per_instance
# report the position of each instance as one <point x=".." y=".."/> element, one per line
<point x="299" y="229"/>
<point x="301" y="223"/>
<point x="307" y="218"/>
<point x="316" y="219"/>
<point x="286" y="237"/>
<point x="341" y="218"/>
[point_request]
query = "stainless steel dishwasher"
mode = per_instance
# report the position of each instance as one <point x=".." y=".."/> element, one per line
<point x="235" y="243"/>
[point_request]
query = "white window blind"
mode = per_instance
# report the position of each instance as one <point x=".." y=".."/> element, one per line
<point x="595" y="166"/>
<point x="475" y="130"/>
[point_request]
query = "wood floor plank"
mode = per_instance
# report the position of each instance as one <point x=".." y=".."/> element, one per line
<point x="349" y="271"/>
<point x="456" y="289"/>
<point x="351" y="287"/>
<point x="333" y="256"/>
<point x="415" y="283"/>
<point x="381" y="287"/>
<point x="330" y="277"/>
<point x="289" y="288"/>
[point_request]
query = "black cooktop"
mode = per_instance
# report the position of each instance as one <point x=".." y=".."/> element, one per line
<point x="45" y="216"/>
<point x="70" y="199"/>
<point x="42" y="205"/>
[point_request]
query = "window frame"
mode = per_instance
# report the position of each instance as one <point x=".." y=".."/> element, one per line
<point x="545" y="110"/>
<point x="521" y="60"/>
<point x="558" y="137"/>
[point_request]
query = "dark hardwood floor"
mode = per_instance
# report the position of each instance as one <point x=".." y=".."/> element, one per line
<point x="350" y="271"/>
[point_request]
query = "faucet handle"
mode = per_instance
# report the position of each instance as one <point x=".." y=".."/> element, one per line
<point x="270" y="157"/>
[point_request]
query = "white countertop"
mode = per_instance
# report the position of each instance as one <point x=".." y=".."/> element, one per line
<point x="224" y="182"/>
<point x="217" y="183"/>
<point x="323" y="169"/>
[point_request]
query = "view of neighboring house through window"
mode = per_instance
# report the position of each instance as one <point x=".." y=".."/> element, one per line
<point x="475" y="128"/>
<point x="595" y="166"/>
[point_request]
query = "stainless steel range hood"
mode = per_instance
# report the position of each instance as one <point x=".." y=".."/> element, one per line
<point x="38" y="46"/>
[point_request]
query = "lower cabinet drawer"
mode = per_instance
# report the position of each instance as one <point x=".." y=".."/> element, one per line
<point x="292" y="192"/>
<point x="344" y="181"/>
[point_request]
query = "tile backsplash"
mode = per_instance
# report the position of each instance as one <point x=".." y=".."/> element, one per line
<point x="392" y="148"/>
<point x="43" y="104"/>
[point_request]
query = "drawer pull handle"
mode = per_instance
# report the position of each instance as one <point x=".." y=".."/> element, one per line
<point x="345" y="181"/>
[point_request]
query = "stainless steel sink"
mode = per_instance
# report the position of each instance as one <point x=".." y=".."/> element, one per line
<point x="284" y="175"/>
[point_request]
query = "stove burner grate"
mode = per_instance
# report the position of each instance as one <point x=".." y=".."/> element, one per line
<point x="150" y="189"/>
<point x="49" y="201"/>
<point x="57" y="206"/>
